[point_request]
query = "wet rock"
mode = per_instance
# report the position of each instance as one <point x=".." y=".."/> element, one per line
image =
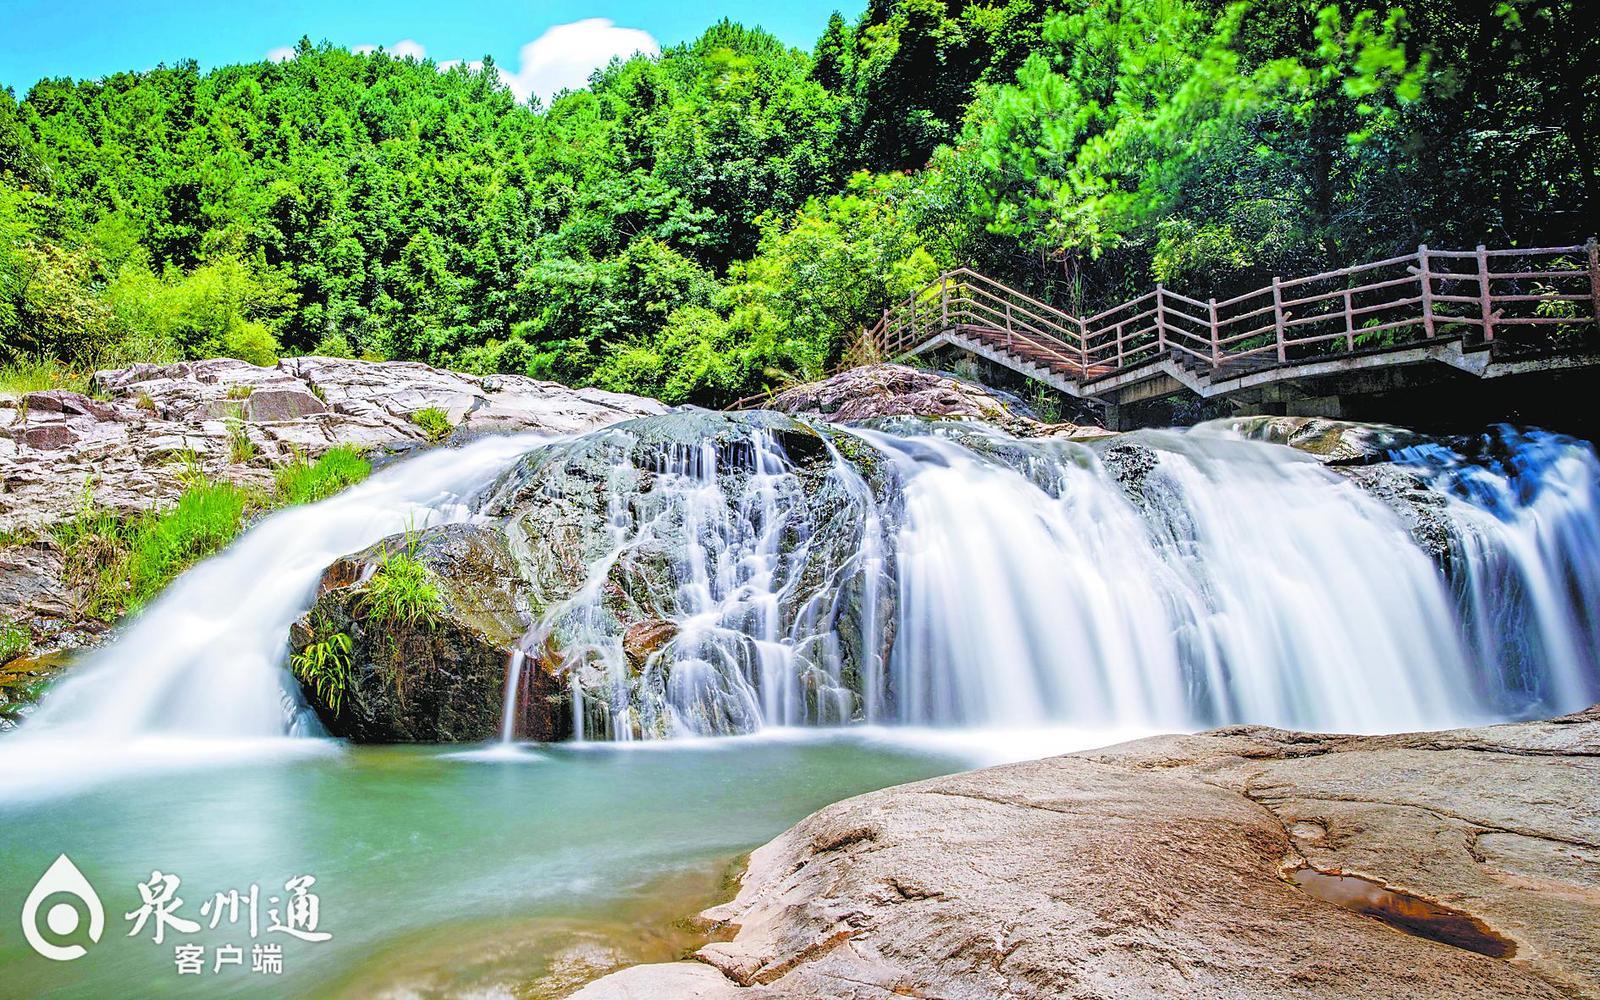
<point x="615" y="500"/>
<point x="643" y="638"/>
<point x="1334" y="442"/>
<point x="1166" y="867"/>
<point x="441" y="679"/>
<point x="23" y="681"/>
<point x="1424" y="512"/>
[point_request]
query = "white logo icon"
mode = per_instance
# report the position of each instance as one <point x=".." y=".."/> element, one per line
<point x="62" y="918"/>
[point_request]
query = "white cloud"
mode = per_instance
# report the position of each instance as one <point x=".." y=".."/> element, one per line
<point x="560" y="59"/>
<point x="563" y="57"/>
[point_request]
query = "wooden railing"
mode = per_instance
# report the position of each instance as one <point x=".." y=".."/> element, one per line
<point x="1477" y="295"/>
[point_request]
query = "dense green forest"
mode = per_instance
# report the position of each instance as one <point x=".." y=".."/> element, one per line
<point x="724" y="216"/>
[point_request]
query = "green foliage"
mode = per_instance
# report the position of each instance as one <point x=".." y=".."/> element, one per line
<point x="308" y="482"/>
<point x="722" y="217"/>
<point x="402" y="589"/>
<point x="118" y="563"/>
<point x="33" y="373"/>
<point x="15" y="641"/>
<point x="240" y="446"/>
<point x="324" y="666"/>
<point x="434" y="422"/>
<point x="122" y="563"/>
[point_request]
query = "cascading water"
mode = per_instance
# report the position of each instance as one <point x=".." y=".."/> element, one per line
<point x="209" y="658"/>
<point x="953" y="576"/>
<point x="699" y="574"/>
<point x="1527" y="562"/>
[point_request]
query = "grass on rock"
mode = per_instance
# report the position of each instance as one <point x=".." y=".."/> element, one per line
<point x="120" y="563"/>
<point x="307" y="482"/>
<point x="435" y="423"/>
<point x="402" y="590"/>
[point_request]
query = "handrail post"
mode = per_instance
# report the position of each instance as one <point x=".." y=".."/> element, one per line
<point x="915" y="333"/>
<point x="1485" y="294"/>
<point x="1216" y="346"/>
<point x="1349" y="322"/>
<point x="1083" y="347"/>
<point x="1277" y="318"/>
<point x="1161" y="320"/>
<point x="1008" y="325"/>
<point x="944" y="300"/>
<point x="1593" y="246"/>
<point x="1119" y="347"/>
<point x="1426" y="281"/>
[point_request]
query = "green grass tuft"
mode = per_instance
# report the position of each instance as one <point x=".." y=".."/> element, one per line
<point x="15" y="641"/>
<point x="402" y="589"/>
<point x="434" y="422"/>
<point x="307" y="482"/>
<point x="36" y="374"/>
<point x="123" y="563"/>
<point x="240" y="448"/>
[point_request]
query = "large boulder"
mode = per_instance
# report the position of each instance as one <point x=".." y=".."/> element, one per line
<point x="441" y="678"/>
<point x="610" y="528"/>
<point x="1245" y="862"/>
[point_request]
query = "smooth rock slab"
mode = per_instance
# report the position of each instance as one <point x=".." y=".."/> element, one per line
<point x="1161" y="868"/>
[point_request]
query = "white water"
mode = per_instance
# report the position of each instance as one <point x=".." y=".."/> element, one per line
<point x="1022" y="590"/>
<point x="207" y="661"/>
<point x="1529" y="545"/>
<point x="1249" y="584"/>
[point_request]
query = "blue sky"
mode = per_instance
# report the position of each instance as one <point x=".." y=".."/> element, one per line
<point x="91" y="38"/>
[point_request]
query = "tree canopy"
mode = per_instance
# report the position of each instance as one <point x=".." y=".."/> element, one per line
<point x="724" y="216"/>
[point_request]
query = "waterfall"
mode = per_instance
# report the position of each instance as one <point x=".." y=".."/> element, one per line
<point x="704" y="574"/>
<point x="1029" y="584"/>
<point x="208" y="659"/>
<point x="1528" y="562"/>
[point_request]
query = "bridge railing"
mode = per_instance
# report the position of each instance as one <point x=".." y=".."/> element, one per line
<point x="1476" y="295"/>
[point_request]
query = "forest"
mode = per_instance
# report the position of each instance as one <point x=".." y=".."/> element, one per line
<point x="724" y="217"/>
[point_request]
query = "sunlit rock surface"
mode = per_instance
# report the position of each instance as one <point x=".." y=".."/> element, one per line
<point x="130" y="450"/>
<point x="130" y="447"/>
<point x="890" y="390"/>
<point x="1165" y="867"/>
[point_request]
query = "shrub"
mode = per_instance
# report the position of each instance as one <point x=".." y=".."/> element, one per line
<point x="306" y="482"/>
<point x="435" y="423"/>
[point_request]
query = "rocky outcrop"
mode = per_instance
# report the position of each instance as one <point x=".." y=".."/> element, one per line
<point x="133" y="445"/>
<point x="889" y="390"/>
<point x="1192" y="866"/>
<point x="440" y="678"/>
<point x="611" y="528"/>
<point x="129" y="447"/>
<point x="1335" y="442"/>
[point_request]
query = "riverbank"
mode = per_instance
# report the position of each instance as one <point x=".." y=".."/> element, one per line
<point x="1186" y="866"/>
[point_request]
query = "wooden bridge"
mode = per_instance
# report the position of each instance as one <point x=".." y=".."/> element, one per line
<point x="1482" y="313"/>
